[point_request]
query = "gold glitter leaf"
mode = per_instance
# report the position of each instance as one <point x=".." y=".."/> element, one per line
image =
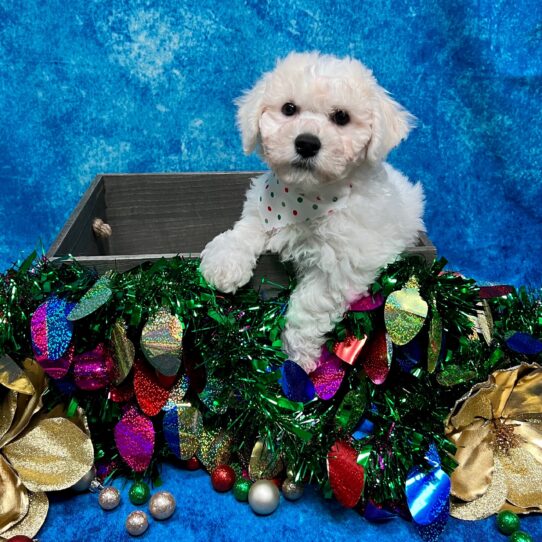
<point x="435" y="341"/>
<point x="13" y="497"/>
<point x="34" y="519"/>
<point x="123" y="352"/>
<point x="14" y="378"/>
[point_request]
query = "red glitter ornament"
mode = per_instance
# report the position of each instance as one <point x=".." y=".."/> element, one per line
<point x="223" y="478"/>
<point x="150" y="393"/>
<point x="345" y="475"/>
<point x="20" y="538"/>
<point x="376" y="358"/>
<point x="166" y="381"/>
<point x="193" y="463"/>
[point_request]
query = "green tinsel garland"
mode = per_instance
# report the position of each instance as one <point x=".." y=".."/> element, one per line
<point x="236" y="341"/>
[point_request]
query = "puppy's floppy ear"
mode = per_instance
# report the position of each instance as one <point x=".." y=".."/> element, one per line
<point x="249" y="111"/>
<point x="391" y="124"/>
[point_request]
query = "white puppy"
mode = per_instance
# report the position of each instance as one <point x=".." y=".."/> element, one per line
<point x="330" y="204"/>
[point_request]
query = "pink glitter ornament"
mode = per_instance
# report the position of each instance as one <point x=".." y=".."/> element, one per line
<point x="134" y="437"/>
<point x="367" y="303"/>
<point x="92" y="369"/>
<point x="327" y="378"/>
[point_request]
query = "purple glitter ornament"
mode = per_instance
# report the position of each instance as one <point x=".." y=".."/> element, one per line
<point x="367" y="303"/>
<point x="92" y="369"/>
<point x="134" y="437"/>
<point x="327" y="378"/>
<point x="50" y="330"/>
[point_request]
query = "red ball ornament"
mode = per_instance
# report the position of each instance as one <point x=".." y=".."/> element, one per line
<point x="223" y="478"/>
<point x="20" y="538"/>
<point x="193" y="463"/>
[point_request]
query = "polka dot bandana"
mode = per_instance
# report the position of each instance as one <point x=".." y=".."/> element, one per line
<point x="281" y="205"/>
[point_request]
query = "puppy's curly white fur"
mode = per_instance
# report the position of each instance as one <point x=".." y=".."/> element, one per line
<point x="325" y="127"/>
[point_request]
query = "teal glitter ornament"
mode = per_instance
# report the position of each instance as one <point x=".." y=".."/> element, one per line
<point x="241" y="489"/>
<point x="97" y="296"/>
<point x="521" y="536"/>
<point x="139" y="493"/>
<point x="507" y="522"/>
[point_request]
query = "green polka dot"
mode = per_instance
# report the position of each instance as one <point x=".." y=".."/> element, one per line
<point x="335" y="198"/>
<point x="315" y="206"/>
<point x="283" y="204"/>
<point x="279" y="217"/>
<point x="266" y="221"/>
<point x="260" y="198"/>
<point x="300" y="200"/>
<point x="272" y="194"/>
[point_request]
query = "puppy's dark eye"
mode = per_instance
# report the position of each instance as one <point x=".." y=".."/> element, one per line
<point x="289" y="109"/>
<point x="340" y="117"/>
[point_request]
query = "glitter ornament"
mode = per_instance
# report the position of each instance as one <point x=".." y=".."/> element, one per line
<point x="292" y="490"/>
<point x="405" y="312"/>
<point x="520" y="536"/>
<point x="19" y="538"/>
<point x="97" y="296"/>
<point x="57" y="368"/>
<point x="367" y="303"/>
<point x="349" y="349"/>
<point x="296" y="385"/>
<point x="50" y="330"/>
<point x="123" y="352"/>
<point x="137" y="523"/>
<point x="263" y="463"/>
<point x="92" y="369"/>
<point x="241" y="488"/>
<point x="263" y="497"/>
<point x="182" y="425"/>
<point x="435" y="340"/>
<point x="222" y="478"/>
<point x="507" y="522"/>
<point x="162" y="505"/>
<point x="150" y="394"/>
<point x="377" y="356"/>
<point x="193" y="463"/>
<point x="328" y="376"/>
<point x="139" y="493"/>
<point x="161" y="342"/>
<point x="212" y="396"/>
<point x="134" y="437"/>
<point x="346" y="477"/>
<point x="214" y="448"/>
<point x="524" y="343"/>
<point x="109" y="498"/>
<point x="84" y="483"/>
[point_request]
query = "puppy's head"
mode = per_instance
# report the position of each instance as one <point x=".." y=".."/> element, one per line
<point x="316" y="118"/>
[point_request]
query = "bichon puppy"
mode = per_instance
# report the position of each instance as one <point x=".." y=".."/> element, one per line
<point x="330" y="204"/>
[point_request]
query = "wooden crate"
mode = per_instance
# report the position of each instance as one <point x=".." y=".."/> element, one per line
<point x="163" y="214"/>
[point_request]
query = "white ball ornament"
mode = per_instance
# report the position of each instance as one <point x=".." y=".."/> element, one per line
<point x="263" y="497"/>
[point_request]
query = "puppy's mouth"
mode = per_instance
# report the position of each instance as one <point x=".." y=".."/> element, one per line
<point x="306" y="164"/>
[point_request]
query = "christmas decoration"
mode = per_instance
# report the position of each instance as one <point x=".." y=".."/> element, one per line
<point x="521" y="536"/>
<point x="241" y="488"/>
<point x="137" y="523"/>
<point x="507" y="522"/>
<point x="291" y="490"/>
<point x="345" y="475"/>
<point x="97" y="296"/>
<point x="109" y="498"/>
<point x="192" y="463"/>
<point x="263" y="497"/>
<point x="83" y="484"/>
<point x="139" y="493"/>
<point x="162" y="505"/>
<point x="222" y="478"/>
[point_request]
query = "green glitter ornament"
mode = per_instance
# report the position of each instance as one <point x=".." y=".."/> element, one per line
<point x="139" y="493"/>
<point x="521" y="536"/>
<point x="241" y="489"/>
<point x="507" y="522"/>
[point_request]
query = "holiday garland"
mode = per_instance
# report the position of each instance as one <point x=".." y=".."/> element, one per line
<point x="165" y="366"/>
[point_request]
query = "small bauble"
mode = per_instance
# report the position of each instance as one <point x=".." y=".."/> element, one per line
<point x="264" y="497"/>
<point x="137" y="523"/>
<point x="520" y="536"/>
<point x="292" y="490"/>
<point x="109" y="498"/>
<point x="19" y="538"/>
<point x="223" y="478"/>
<point x="507" y="522"/>
<point x="241" y="489"/>
<point x="84" y="483"/>
<point x="139" y="493"/>
<point x="162" y="505"/>
<point x="193" y="463"/>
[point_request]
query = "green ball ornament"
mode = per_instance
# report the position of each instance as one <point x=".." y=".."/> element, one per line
<point x="520" y="536"/>
<point x="139" y="493"/>
<point x="507" y="522"/>
<point x="241" y="489"/>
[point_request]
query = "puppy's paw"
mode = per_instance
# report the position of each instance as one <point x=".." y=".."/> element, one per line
<point x="301" y="348"/>
<point x="226" y="264"/>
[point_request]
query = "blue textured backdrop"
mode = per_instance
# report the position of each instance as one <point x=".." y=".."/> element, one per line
<point x="92" y="86"/>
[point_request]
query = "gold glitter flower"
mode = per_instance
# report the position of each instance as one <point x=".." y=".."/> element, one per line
<point x="498" y="433"/>
<point x="38" y="451"/>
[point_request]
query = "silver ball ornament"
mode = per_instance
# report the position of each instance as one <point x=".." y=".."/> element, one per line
<point x="263" y="497"/>
<point x="109" y="498"/>
<point x="84" y="483"/>
<point x="292" y="490"/>
<point x="162" y="505"/>
<point x="137" y="523"/>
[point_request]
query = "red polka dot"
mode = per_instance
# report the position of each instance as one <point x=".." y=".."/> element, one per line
<point x="286" y="189"/>
<point x="295" y="212"/>
<point x="269" y="209"/>
<point x="318" y="198"/>
<point x="267" y="186"/>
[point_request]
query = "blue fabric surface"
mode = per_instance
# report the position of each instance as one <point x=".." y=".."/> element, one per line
<point x="94" y="86"/>
<point x="203" y="515"/>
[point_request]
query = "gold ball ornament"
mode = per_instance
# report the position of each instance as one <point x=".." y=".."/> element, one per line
<point x="292" y="490"/>
<point x="162" y="505"/>
<point x="263" y="497"/>
<point x="137" y="523"/>
<point x="109" y="498"/>
<point x="84" y="483"/>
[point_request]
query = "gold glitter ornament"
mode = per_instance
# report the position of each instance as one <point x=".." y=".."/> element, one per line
<point x="123" y="352"/>
<point x="291" y="490"/>
<point x="137" y="523"/>
<point x="435" y="340"/>
<point x="161" y="342"/>
<point x="162" y="505"/>
<point x="263" y="463"/>
<point x="214" y="448"/>
<point x="109" y="498"/>
<point x="405" y="312"/>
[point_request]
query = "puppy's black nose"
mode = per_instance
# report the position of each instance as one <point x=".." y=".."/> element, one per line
<point x="307" y="145"/>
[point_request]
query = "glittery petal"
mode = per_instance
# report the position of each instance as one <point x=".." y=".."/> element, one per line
<point x="92" y="369"/>
<point x="327" y="378"/>
<point x="151" y="395"/>
<point x="31" y="524"/>
<point x="97" y="296"/>
<point x="523" y="476"/>
<point x="134" y="437"/>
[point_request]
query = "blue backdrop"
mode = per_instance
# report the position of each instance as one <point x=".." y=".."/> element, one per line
<point x="92" y="86"/>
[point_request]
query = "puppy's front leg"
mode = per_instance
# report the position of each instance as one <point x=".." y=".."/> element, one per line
<point x="315" y="306"/>
<point x="229" y="259"/>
